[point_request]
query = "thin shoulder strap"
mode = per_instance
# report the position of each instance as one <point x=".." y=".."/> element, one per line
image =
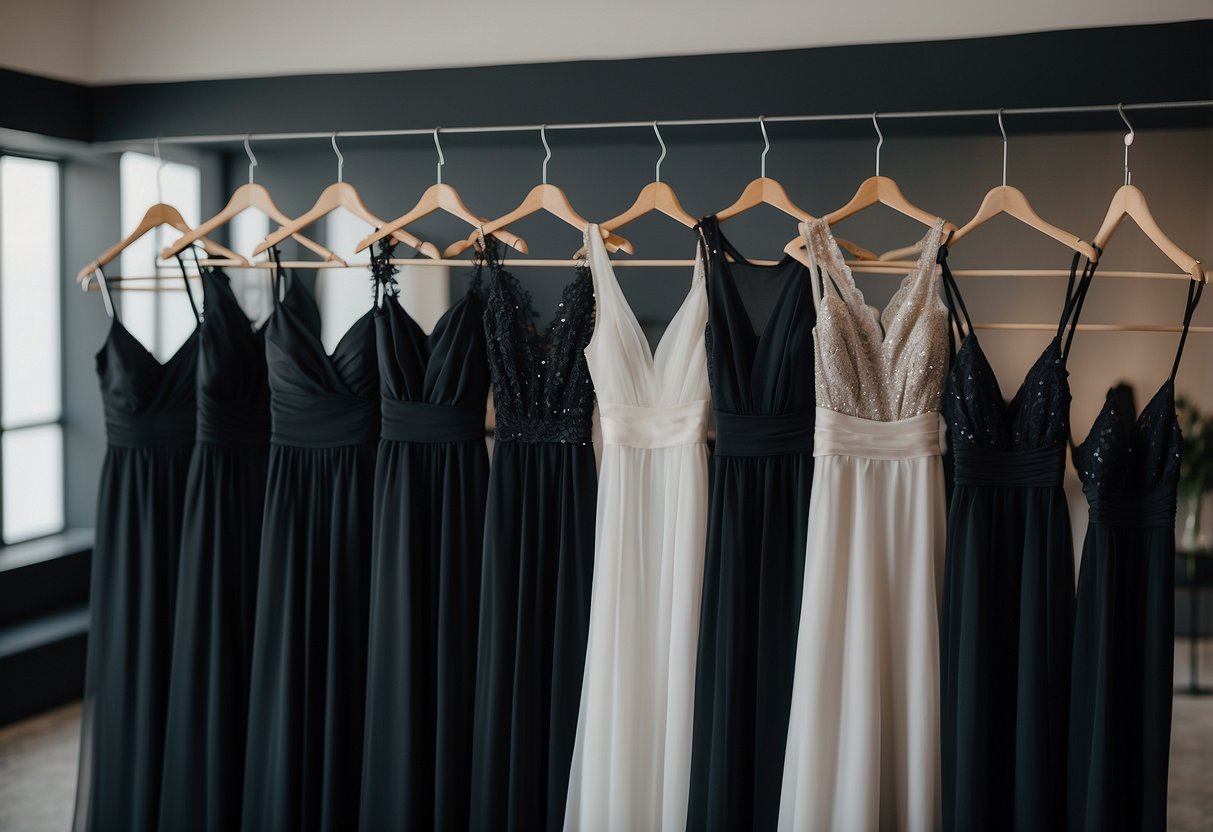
<point x="106" y="298"/>
<point x="1076" y="296"/>
<point x="1195" y="288"/>
<point x="958" y="314"/>
<point x="383" y="273"/>
<point x="277" y="275"/>
<point x="185" y="283"/>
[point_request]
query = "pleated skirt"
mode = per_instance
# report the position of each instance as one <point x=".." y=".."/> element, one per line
<point x="140" y="503"/>
<point x="303" y="761"/>
<point x="753" y="572"/>
<point x="213" y="639"/>
<point x="534" y="621"/>
<point x="425" y="595"/>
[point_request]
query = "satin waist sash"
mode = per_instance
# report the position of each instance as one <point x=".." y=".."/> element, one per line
<point x="654" y="427"/>
<point x="163" y="427"/>
<point x="431" y="423"/>
<point x="1029" y="468"/>
<point x="234" y="422"/>
<point x="740" y="434"/>
<point x="837" y="434"/>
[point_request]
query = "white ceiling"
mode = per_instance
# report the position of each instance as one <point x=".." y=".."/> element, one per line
<point x="106" y="41"/>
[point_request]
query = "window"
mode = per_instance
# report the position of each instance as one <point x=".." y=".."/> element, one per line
<point x="161" y="320"/>
<point x="31" y="430"/>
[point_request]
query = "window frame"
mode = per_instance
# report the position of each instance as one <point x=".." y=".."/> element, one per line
<point x="61" y="309"/>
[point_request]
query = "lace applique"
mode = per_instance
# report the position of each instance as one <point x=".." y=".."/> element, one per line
<point x="541" y="384"/>
<point x="1125" y="452"/>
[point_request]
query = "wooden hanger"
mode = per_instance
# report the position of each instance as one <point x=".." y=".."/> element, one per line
<point x="341" y="194"/>
<point x="655" y="196"/>
<point x="547" y="198"/>
<point x="1005" y="199"/>
<point x="767" y="191"/>
<point x="440" y="197"/>
<point x="1129" y="201"/>
<point x="247" y="196"/>
<point x="156" y="216"/>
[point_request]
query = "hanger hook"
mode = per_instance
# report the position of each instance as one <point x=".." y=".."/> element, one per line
<point x="340" y="159"/>
<point x="543" y="137"/>
<point x="252" y="160"/>
<point x="661" y="158"/>
<point x="159" y="169"/>
<point x="441" y="157"/>
<point x="1002" y="129"/>
<point x="879" y="141"/>
<point x="766" y="147"/>
<point x="1120" y="108"/>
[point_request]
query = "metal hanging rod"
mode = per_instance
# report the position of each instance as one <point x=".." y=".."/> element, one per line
<point x="687" y="122"/>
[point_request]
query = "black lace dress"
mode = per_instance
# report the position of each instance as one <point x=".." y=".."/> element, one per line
<point x="758" y="507"/>
<point x="1124" y="632"/>
<point x="304" y="743"/>
<point x="149" y="418"/>
<point x="217" y="587"/>
<point x="1008" y="603"/>
<point x="431" y="483"/>
<point x="538" y="557"/>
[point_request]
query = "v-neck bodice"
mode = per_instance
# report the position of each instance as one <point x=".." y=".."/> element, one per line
<point x="146" y="402"/>
<point x="318" y="399"/>
<point x="878" y="365"/>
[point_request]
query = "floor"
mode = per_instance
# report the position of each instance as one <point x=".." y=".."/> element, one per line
<point x="38" y="762"/>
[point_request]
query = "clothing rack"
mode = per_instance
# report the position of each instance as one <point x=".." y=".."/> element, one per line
<point x="687" y="122"/>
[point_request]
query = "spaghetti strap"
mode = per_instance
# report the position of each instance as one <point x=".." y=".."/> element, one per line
<point x="1195" y="288"/>
<point x="185" y="283"/>
<point x="277" y="276"/>
<point x="1074" y="301"/>
<point x="958" y="314"/>
<point x="383" y="273"/>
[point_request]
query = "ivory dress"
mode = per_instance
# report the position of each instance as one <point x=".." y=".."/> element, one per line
<point x="863" y="739"/>
<point x="632" y="756"/>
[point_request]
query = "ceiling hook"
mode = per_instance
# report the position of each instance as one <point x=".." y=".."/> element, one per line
<point x="661" y="158"/>
<point x="340" y="159"/>
<point x="252" y="160"/>
<point x="441" y="157"/>
<point x="1120" y="108"/>
<point x="766" y="147"/>
<point x="879" y="141"/>
<point x="1002" y="129"/>
<point x="543" y="137"/>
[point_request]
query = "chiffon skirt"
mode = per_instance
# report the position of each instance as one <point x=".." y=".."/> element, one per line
<point x="863" y="741"/>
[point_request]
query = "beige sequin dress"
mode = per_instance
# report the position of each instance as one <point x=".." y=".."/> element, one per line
<point x="863" y="740"/>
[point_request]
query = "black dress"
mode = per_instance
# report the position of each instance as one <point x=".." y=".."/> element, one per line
<point x="149" y="416"/>
<point x="1124" y="632"/>
<point x="760" y="478"/>
<point x="1008" y="606"/>
<point x="538" y="557"/>
<point x="305" y="722"/>
<point x="217" y="587"/>
<point x="431" y="482"/>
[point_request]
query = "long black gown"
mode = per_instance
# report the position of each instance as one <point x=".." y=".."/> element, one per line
<point x="538" y="557"/>
<point x="1124" y="632"/>
<point x="760" y="478"/>
<point x="217" y="586"/>
<point x="431" y="483"/>
<point x="149" y="416"/>
<point x="305" y="724"/>
<point x="1008" y="608"/>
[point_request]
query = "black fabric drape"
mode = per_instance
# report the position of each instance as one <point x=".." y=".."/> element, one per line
<point x="303" y="760"/>
<point x="431" y="481"/>
<point x="149" y="412"/>
<point x="760" y="478"/>
<point x="216" y="593"/>
<point x="538" y="559"/>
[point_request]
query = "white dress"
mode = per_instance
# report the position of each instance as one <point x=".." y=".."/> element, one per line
<point x="632" y="757"/>
<point x="863" y="740"/>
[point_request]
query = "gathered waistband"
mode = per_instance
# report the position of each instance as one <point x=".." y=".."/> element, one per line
<point x="324" y="421"/>
<point x="654" y="427"/>
<point x="838" y="434"/>
<point x="1141" y="508"/>
<point x="741" y="434"/>
<point x="1029" y="468"/>
<point x="431" y="423"/>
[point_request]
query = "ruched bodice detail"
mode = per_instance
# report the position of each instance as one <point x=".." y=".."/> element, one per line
<point x="320" y="400"/>
<point x="146" y="402"/>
